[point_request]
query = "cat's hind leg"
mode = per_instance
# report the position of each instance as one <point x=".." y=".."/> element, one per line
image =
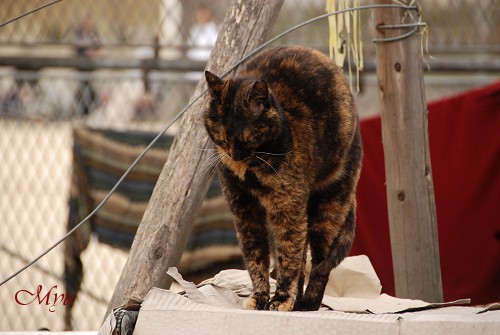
<point x="330" y="235"/>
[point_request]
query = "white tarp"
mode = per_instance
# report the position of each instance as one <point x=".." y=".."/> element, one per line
<point x="353" y="304"/>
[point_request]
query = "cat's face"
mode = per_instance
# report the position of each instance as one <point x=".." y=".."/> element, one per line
<point x="241" y="117"/>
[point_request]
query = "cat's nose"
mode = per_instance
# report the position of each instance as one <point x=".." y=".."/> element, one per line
<point x="238" y="155"/>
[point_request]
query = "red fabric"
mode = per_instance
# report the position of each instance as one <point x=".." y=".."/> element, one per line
<point x="464" y="136"/>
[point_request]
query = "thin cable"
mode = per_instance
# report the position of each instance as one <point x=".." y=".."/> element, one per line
<point x="403" y="25"/>
<point x="160" y="134"/>
<point x="395" y="38"/>
<point x="30" y="12"/>
<point x="415" y="26"/>
<point x="314" y="19"/>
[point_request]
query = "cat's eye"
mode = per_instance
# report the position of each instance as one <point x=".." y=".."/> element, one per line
<point x="223" y="144"/>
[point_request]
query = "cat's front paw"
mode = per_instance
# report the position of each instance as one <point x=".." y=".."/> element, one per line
<point x="283" y="303"/>
<point x="257" y="300"/>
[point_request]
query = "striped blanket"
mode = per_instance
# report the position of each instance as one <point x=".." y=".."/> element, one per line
<point x="100" y="157"/>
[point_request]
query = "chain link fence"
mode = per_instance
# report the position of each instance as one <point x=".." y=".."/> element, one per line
<point x="127" y="23"/>
<point x="50" y="81"/>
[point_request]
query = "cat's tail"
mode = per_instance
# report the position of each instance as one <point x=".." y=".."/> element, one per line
<point x="342" y="244"/>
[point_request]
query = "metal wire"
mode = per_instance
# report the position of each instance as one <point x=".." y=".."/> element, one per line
<point x="403" y="25"/>
<point x="415" y="27"/>
<point x="395" y="38"/>
<point x="30" y="12"/>
<point x="163" y="131"/>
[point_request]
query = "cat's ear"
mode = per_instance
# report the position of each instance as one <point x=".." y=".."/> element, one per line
<point x="259" y="92"/>
<point x="215" y="84"/>
<point x="258" y="99"/>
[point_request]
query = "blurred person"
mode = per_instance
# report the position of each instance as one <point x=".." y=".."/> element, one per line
<point x="144" y="107"/>
<point x="86" y="38"/>
<point x="203" y="34"/>
<point x="11" y="102"/>
<point x="87" y="44"/>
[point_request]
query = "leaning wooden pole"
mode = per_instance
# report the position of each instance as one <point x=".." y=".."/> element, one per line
<point x="167" y="222"/>
<point x="410" y="192"/>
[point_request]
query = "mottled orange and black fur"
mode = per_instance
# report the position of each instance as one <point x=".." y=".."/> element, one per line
<point x="287" y="133"/>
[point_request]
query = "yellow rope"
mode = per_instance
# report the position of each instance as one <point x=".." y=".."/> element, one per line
<point x="345" y="36"/>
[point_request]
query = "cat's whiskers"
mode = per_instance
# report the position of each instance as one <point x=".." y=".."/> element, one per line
<point x="263" y="160"/>
<point x="209" y="170"/>
<point x="272" y="154"/>
<point x="211" y="163"/>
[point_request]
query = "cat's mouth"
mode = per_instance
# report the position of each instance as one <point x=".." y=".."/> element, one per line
<point x="240" y="155"/>
<point x="239" y="159"/>
<point x="250" y="161"/>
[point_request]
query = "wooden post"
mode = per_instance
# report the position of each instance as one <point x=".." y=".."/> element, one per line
<point x="410" y="192"/>
<point x="167" y="222"/>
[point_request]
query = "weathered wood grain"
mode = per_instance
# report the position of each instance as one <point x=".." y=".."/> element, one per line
<point x="410" y="192"/>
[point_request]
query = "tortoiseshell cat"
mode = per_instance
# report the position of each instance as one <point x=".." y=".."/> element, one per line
<point x="287" y="133"/>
